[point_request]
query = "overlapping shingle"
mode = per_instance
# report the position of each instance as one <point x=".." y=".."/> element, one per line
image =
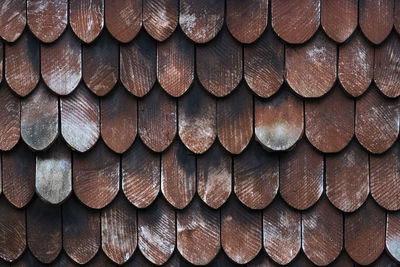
<point x="111" y="110"/>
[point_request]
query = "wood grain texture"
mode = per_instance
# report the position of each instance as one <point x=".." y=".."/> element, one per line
<point x="96" y="176"/>
<point x="80" y="119"/>
<point x="301" y="176"/>
<point x="156" y="231"/>
<point x="198" y="232"/>
<point x="22" y="69"/>
<point x="246" y="20"/>
<point x="141" y="175"/>
<point x="10" y="119"/>
<point x="201" y="20"/>
<point x="157" y="119"/>
<point x="214" y="176"/>
<point x="44" y="230"/>
<point x="295" y="21"/>
<point x="12" y="19"/>
<point x="61" y="64"/>
<point x="219" y="64"/>
<point x="384" y="178"/>
<point x="330" y="121"/>
<point x="19" y="175"/>
<point x="282" y="231"/>
<point x="81" y="231"/>
<point x="119" y="230"/>
<point x="100" y="64"/>
<point x="339" y="19"/>
<point x="256" y="174"/>
<point x="386" y="72"/>
<point x="12" y="231"/>
<point x="47" y="19"/>
<point x="118" y="119"/>
<point x="138" y="63"/>
<point x="63" y="260"/>
<point x="377" y="124"/>
<point x="101" y="260"/>
<point x="178" y="175"/>
<point x="197" y="120"/>
<point x="123" y="18"/>
<point x="279" y="120"/>
<point x="396" y="15"/>
<point x="356" y="59"/>
<point x="175" y="64"/>
<point x="39" y="118"/>
<point x="263" y="64"/>
<point x="347" y="177"/>
<point x="54" y="173"/>
<point x="311" y="68"/>
<point x="364" y="233"/>
<point x="393" y="234"/>
<point x="86" y="18"/>
<point x="160" y="18"/>
<point x="235" y="120"/>
<point x="322" y="232"/>
<point x="376" y="19"/>
<point x="245" y="244"/>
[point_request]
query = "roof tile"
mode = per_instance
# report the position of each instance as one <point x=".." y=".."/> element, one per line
<point x="311" y="68"/>
<point x="12" y="19"/>
<point x="356" y="59"/>
<point x="80" y="119"/>
<point x="96" y="176"/>
<point x="12" y="231"/>
<point x="61" y="64"/>
<point x="301" y="176"/>
<point x="347" y="177"/>
<point x="279" y="120"/>
<point x="263" y="64"/>
<point x="123" y="18"/>
<point x="256" y="174"/>
<point x="330" y="121"/>
<point x="81" y="231"/>
<point x="339" y="19"/>
<point x="235" y="120"/>
<point x="19" y="175"/>
<point x="157" y="233"/>
<point x="364" y="233"/>
<point x="376" y="123"/>
<point x="86" y="18"/>
<point x="27" y="259"/>
<point x="376" y="19"/>
<point x="157" y="119"/>
<point x="175" y="64"/>
<point x="22" y="64"/>
<point x="119" y="230"/>
<point x="197" y="120"/>
<point x="100" y="64"/>
<point x="281" y="231"/>
<point x="10" y="119"/>
<point x="138" y="61"/>
<point x="214" y="176"/>
<point x="393" y="235"/>
<point x="47" y="19"/>
<point x="219" y="64"/>
<point x="245" y="244"/>
<point x="160" y="18"/>
<point x="44" y="231"/>
<point x="198" y="232"/>
<point x="118" y="119"/>
<point x="295" y="21"/>
<point x="140" y="175"/>
<point x="39" y="118"/>
<point x="246" y="20"/>
<point x="54" y="173"/>
<point x="322" y="232"/>
<point x="178" y="175"/>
